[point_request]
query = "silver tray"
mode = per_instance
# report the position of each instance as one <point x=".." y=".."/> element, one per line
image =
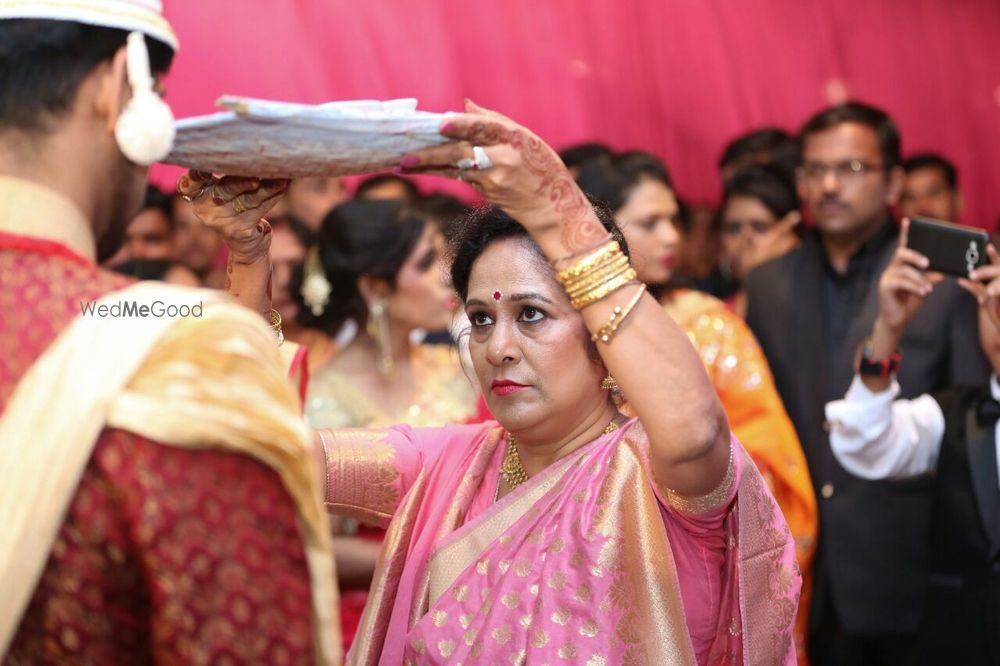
<point x="268" y="139"/>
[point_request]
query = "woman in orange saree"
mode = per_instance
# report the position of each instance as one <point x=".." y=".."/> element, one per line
<point x="566" y="531"/>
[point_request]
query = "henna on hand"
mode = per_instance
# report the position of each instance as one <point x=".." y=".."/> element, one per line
<point x="581" y="230"/>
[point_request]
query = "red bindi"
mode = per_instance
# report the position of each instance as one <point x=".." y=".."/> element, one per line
<point x="497" y="295"/>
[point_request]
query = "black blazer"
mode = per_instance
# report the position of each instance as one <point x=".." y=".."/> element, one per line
<point x="961" y="621"/>
<point x="873" y="534"/>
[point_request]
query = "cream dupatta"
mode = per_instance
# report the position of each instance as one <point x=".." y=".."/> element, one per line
<point x="184" y="383"/>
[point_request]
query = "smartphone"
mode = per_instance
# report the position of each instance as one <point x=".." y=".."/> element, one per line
<point x="952" y="249"/>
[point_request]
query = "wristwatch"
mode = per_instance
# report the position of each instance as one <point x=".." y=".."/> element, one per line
<point x="878" y="367"/>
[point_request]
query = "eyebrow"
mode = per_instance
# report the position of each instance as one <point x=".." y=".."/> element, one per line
<point x="529" y="296"/>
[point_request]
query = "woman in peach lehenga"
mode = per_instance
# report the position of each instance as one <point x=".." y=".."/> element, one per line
<point x="566" y="531"/>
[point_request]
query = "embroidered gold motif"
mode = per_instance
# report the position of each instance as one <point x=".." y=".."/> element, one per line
<point x="588" y="629"/>
<point x="539" y="638"/>
<point x="511" y="599"/>
<point x="567" y="651"/>
<point x="440" y="618"/>
<point x="446" y="648"/>
<point x="501" y="635"/>
<point x="561" y="617"/>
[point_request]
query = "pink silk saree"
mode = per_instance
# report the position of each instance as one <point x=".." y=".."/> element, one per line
<point x="578" y="565"/>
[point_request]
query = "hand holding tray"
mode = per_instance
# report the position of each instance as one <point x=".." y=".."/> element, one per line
<point x="267" y="139"/>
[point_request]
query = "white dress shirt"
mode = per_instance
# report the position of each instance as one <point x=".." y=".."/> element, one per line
<point x="875" y="436"/>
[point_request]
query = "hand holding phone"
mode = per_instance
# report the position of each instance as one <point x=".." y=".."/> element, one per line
<point x="952" y="249"/>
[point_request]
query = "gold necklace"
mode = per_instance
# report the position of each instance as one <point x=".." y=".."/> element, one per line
<point x="511" y="469"/>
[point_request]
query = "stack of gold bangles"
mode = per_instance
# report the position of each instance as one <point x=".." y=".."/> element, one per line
<point x="596" y="276"/>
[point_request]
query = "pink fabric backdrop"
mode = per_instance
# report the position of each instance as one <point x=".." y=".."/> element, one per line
<point x="678" y="77"/>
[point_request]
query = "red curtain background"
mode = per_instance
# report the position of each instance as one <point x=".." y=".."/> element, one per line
<point x="677" y="77"/>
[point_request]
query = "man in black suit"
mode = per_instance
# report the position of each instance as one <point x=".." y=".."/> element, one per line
<point x="810" y="310"/>
<point x="953" y="434"/>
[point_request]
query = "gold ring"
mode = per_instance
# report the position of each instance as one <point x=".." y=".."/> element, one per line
<point x="238" y="205"/>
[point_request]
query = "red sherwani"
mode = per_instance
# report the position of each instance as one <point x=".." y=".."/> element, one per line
<point x="166" y="555"/>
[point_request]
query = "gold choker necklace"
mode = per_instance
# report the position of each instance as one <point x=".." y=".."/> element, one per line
<point x="511" y="469"/>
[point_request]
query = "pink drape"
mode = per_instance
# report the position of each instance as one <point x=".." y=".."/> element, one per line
<point x="678" y="77"/>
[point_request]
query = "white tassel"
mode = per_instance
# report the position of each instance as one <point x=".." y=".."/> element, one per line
<point x="145" y="129"/>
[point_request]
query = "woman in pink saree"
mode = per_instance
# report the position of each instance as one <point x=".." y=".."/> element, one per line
<point x="563" y="533"/>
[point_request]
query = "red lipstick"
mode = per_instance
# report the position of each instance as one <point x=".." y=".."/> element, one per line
<point x="505" y="387"/>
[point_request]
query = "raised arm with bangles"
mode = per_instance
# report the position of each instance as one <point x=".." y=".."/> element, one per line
<point x="565" y="529"/>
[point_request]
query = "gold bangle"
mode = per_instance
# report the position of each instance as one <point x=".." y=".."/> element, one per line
<point x="598" y="283"/>
<point x="584" y="265"/>
<point x="567" y="260"/>
<point x="618" y="315"/>
<point x="276" y="326"/>
<point x="604" y="289"/>
<point x="619" y="264"/>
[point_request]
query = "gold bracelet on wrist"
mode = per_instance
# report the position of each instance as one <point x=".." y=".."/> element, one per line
<point x="605" y="251"/>
<point x="604" y="289"/>
<point x="572" y="258"/>
<point x="618" y="316"/>
<point x="598" y="275"/>
<point x="276" y="326"/>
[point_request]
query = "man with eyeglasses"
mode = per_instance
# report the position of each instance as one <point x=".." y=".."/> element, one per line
<point x="811" y="310"/>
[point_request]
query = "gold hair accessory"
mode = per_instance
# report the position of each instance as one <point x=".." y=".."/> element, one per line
<point x="511" y="469"/>
<point x="618" y="315"/>
<point x="316" y="287"/>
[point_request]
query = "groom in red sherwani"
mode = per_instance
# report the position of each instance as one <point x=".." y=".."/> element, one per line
<point x="165" y="554"/>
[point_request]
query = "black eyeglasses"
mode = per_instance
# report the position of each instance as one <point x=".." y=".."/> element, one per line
<point x="847" y="171"/>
